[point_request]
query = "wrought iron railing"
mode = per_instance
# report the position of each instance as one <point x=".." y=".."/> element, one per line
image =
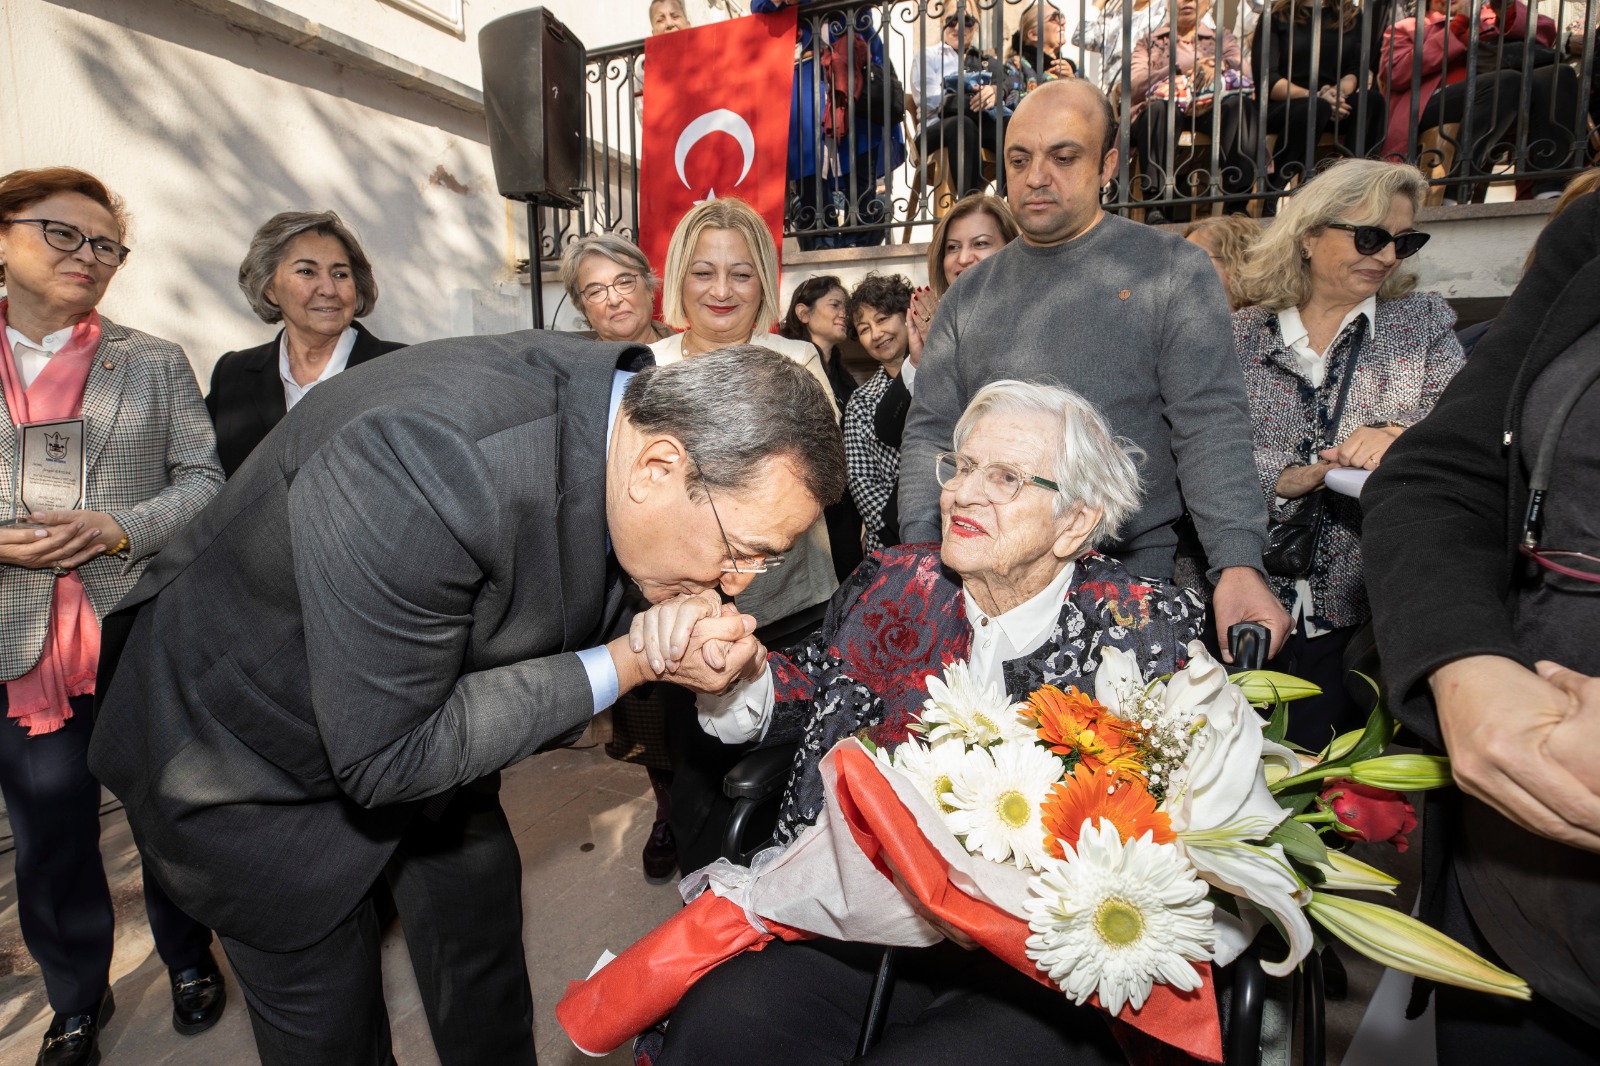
<point x="1290" y="87"/>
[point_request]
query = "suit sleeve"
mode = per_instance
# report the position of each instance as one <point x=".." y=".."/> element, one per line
<point x="936" y="407"/>
<point x="396" y="528"/>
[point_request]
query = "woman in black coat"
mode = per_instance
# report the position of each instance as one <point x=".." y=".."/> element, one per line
<point x="306" y="270"/>
<point x="1486" y="623"/>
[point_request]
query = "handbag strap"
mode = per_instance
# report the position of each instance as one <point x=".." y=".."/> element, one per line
<point x="1332" y="428"/>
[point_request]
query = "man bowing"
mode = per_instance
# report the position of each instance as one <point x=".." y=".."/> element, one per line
<point x="407" y="587"/>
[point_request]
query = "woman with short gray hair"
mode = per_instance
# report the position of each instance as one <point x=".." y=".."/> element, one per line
<point x="1017" y="590"/>
<point x="610" y="284"/>
<point x="307" y="270"/>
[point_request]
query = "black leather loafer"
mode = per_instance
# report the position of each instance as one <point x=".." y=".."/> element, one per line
<point x="74" y="1039"/>
<point x="198" y="996"/>
<point x="660" y="854"/>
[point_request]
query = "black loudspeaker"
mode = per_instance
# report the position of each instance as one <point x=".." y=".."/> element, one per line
<point x="533" y="97"/>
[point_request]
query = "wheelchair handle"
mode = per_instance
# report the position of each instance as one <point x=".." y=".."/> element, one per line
<point x="1249" y="642"/>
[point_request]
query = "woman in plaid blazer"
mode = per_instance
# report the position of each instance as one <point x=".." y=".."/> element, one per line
<point x="150" y="466"/>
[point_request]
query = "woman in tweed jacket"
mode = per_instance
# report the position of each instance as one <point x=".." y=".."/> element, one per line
<point x="150" y="466"/>
<point x="1322" y="290"/>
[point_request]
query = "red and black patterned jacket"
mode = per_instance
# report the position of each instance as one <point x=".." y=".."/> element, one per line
<point x="901" y="617"/>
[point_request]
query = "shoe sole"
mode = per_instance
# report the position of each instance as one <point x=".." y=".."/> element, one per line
<point x="196" y="1028"/>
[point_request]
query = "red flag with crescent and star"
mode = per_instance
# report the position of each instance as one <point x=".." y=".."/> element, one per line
<point x="716" y="122"/>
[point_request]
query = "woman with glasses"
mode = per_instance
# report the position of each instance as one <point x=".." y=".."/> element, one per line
<point x="149" y="465"/>
<point x="1340" y="357"/>
<point x="307" y="270"/>
<point x="1484" y="569"/>
<point x="1035" y="54"/>
<point x="610" y="283"/>
<point x="1034" y="483"/>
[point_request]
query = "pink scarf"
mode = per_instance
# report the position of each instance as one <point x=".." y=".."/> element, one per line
<point x="66" y="668"/>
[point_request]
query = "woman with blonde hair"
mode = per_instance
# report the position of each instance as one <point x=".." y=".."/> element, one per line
<point x="1227" y="239"/>
<point x="1340" y="356"/>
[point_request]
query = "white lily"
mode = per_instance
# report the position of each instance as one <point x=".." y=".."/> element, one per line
<point x="1120" y="688"/>
<point x="1343" y="873"/>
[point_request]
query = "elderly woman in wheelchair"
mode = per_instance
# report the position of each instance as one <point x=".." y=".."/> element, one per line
<point x="1035" y="482"/>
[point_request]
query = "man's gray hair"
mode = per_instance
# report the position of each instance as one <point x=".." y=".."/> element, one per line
<point x="271" y="243"/>
<point x="1091" y="466"/>
<point x="619" y="250"/>
<point x="735" y="409"/>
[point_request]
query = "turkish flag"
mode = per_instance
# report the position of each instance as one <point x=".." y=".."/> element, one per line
<point x="716" y="122"/>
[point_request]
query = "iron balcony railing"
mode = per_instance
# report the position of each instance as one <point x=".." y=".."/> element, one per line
<point x="1469" y="90"/>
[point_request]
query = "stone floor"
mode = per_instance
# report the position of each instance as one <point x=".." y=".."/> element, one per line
<point x="580" y="820"/>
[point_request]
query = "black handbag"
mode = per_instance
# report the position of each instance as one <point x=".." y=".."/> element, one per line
<point x="1292" y="543"/>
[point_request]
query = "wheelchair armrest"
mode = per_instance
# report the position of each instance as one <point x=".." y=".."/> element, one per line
<point x="761" y="773"/>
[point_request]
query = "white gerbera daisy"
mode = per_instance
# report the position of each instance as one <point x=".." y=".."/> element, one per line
<point x="932" y="768"/>
<point x="1114" y="918"/>
<point x="997" y="794"/>
<point x="963" y="707"/>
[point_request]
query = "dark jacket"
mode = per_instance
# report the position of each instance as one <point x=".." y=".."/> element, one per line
<point x="381" y="607"/>
<point x="246" y="396"/>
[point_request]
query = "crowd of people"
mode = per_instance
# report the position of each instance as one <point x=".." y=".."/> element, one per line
<point x="299" y="625"/>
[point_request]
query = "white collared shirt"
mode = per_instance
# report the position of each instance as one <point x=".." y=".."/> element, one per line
<point x="33" y="358"/>
<point x="293" y="391"/>
<point x="744" y="712"/>
<point x="935" y="62"/>
<point x="1313" y="365"/>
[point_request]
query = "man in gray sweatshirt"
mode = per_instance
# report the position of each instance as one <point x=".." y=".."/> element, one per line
<point x="1129" y="316"/>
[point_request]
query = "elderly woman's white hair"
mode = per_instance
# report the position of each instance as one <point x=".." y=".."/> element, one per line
<point x="1091" y="467"/>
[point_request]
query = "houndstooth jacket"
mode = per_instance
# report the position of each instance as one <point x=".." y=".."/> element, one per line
<point x="151" y="461"/>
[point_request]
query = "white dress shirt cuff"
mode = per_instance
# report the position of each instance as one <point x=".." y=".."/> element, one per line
<point x="740" y="714"/>
<point x="908" y="374"/>
<point x="603" y="683"/>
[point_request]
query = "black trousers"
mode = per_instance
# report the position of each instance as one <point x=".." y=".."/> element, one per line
<point x="1292" y="120"/>
<point x="1236" y="143"/>
<point x="63" y="902"/>
<point x="963" y="138"/>
<point x="1553" y="141"/>
<point x="802" y="1004"/>
<point x="1315" y="721"/>
<point x="457" y="884"/>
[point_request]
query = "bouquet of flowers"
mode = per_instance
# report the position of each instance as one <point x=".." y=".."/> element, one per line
<point x="1114" y="846"/>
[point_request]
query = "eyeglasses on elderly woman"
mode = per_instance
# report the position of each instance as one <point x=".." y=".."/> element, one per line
<point x="65" y="237"/>
<point x="622" y="283"/>
<point x="1002" y="482"/>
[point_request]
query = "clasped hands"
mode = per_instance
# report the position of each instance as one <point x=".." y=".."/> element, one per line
<point x="65" y="540"/>
<point x="1362" y="450"/>
<point x="696" y="641"/>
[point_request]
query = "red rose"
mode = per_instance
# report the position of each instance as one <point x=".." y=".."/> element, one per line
<point x="1369" y="813"/>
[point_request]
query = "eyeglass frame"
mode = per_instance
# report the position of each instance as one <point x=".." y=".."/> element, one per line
<point x="122" y="251"/>
<point x="1539" y="489"/>
<point x="595" y="291"/>
<point x="1416" y="237"/>
<point x="1027" y="478"/>
<point x="767" y="561"/>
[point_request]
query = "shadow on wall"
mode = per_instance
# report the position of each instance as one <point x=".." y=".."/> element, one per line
<point x="214" y="130"/>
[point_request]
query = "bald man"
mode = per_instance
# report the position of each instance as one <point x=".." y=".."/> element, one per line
<point x="1132" y="317"/>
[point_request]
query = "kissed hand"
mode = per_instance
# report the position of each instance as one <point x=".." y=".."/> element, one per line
<point x="695" y="641"/>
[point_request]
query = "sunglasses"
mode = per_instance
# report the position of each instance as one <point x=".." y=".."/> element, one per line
<point x="1370" y="240"/>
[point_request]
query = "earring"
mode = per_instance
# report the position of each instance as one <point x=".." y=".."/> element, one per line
<point x="1305" y="256"/>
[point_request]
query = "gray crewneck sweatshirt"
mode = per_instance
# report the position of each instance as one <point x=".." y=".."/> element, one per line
<point x="1135" y="320"/>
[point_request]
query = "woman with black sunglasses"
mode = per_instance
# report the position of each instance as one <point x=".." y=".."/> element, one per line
<point x="1339" y="358"/>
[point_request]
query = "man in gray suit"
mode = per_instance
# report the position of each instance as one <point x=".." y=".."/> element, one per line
<point x="408" y="586"/>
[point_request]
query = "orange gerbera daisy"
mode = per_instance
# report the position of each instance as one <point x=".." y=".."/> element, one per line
<point x="1072" y="722"/>
<point x="1093" y="796"/>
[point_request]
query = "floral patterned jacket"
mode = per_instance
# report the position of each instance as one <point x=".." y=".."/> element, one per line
<point x="901" y="617"/>
<point x="1404" y="365"/>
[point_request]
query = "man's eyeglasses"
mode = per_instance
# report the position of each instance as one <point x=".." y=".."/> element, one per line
<point x="1002" y="482"/>
<point x="65" y="237"/>
<point x="1370" y="240"/>
<point x="1579" y="566"/>
<point x="759" y="565"/>
<point x="623" y="283"/>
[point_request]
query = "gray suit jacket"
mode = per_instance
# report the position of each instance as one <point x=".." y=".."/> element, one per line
<point x="382" y="604"/>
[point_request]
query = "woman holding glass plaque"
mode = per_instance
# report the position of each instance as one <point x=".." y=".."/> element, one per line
<point x="128" y="459"/>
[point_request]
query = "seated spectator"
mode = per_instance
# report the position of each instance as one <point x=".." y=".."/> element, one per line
<point x="878" y="309"/>
<point x="1227" y="239"/>
<point x="952" y="116"/>
<point x="1101" y="32"/>
<point x="609" y="282"/>
<point x="1492" y="103"/>
<point x="1317" y="80"/>
<point x="817" y="314"/>
<point x="841" y="146"/>
<point x="1036" y="481"/>
<point x="1035" y="55"/>
<point x="1340" y="357"/>
<point x="1189" y="75"/>
<point x="307" y="270"/>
